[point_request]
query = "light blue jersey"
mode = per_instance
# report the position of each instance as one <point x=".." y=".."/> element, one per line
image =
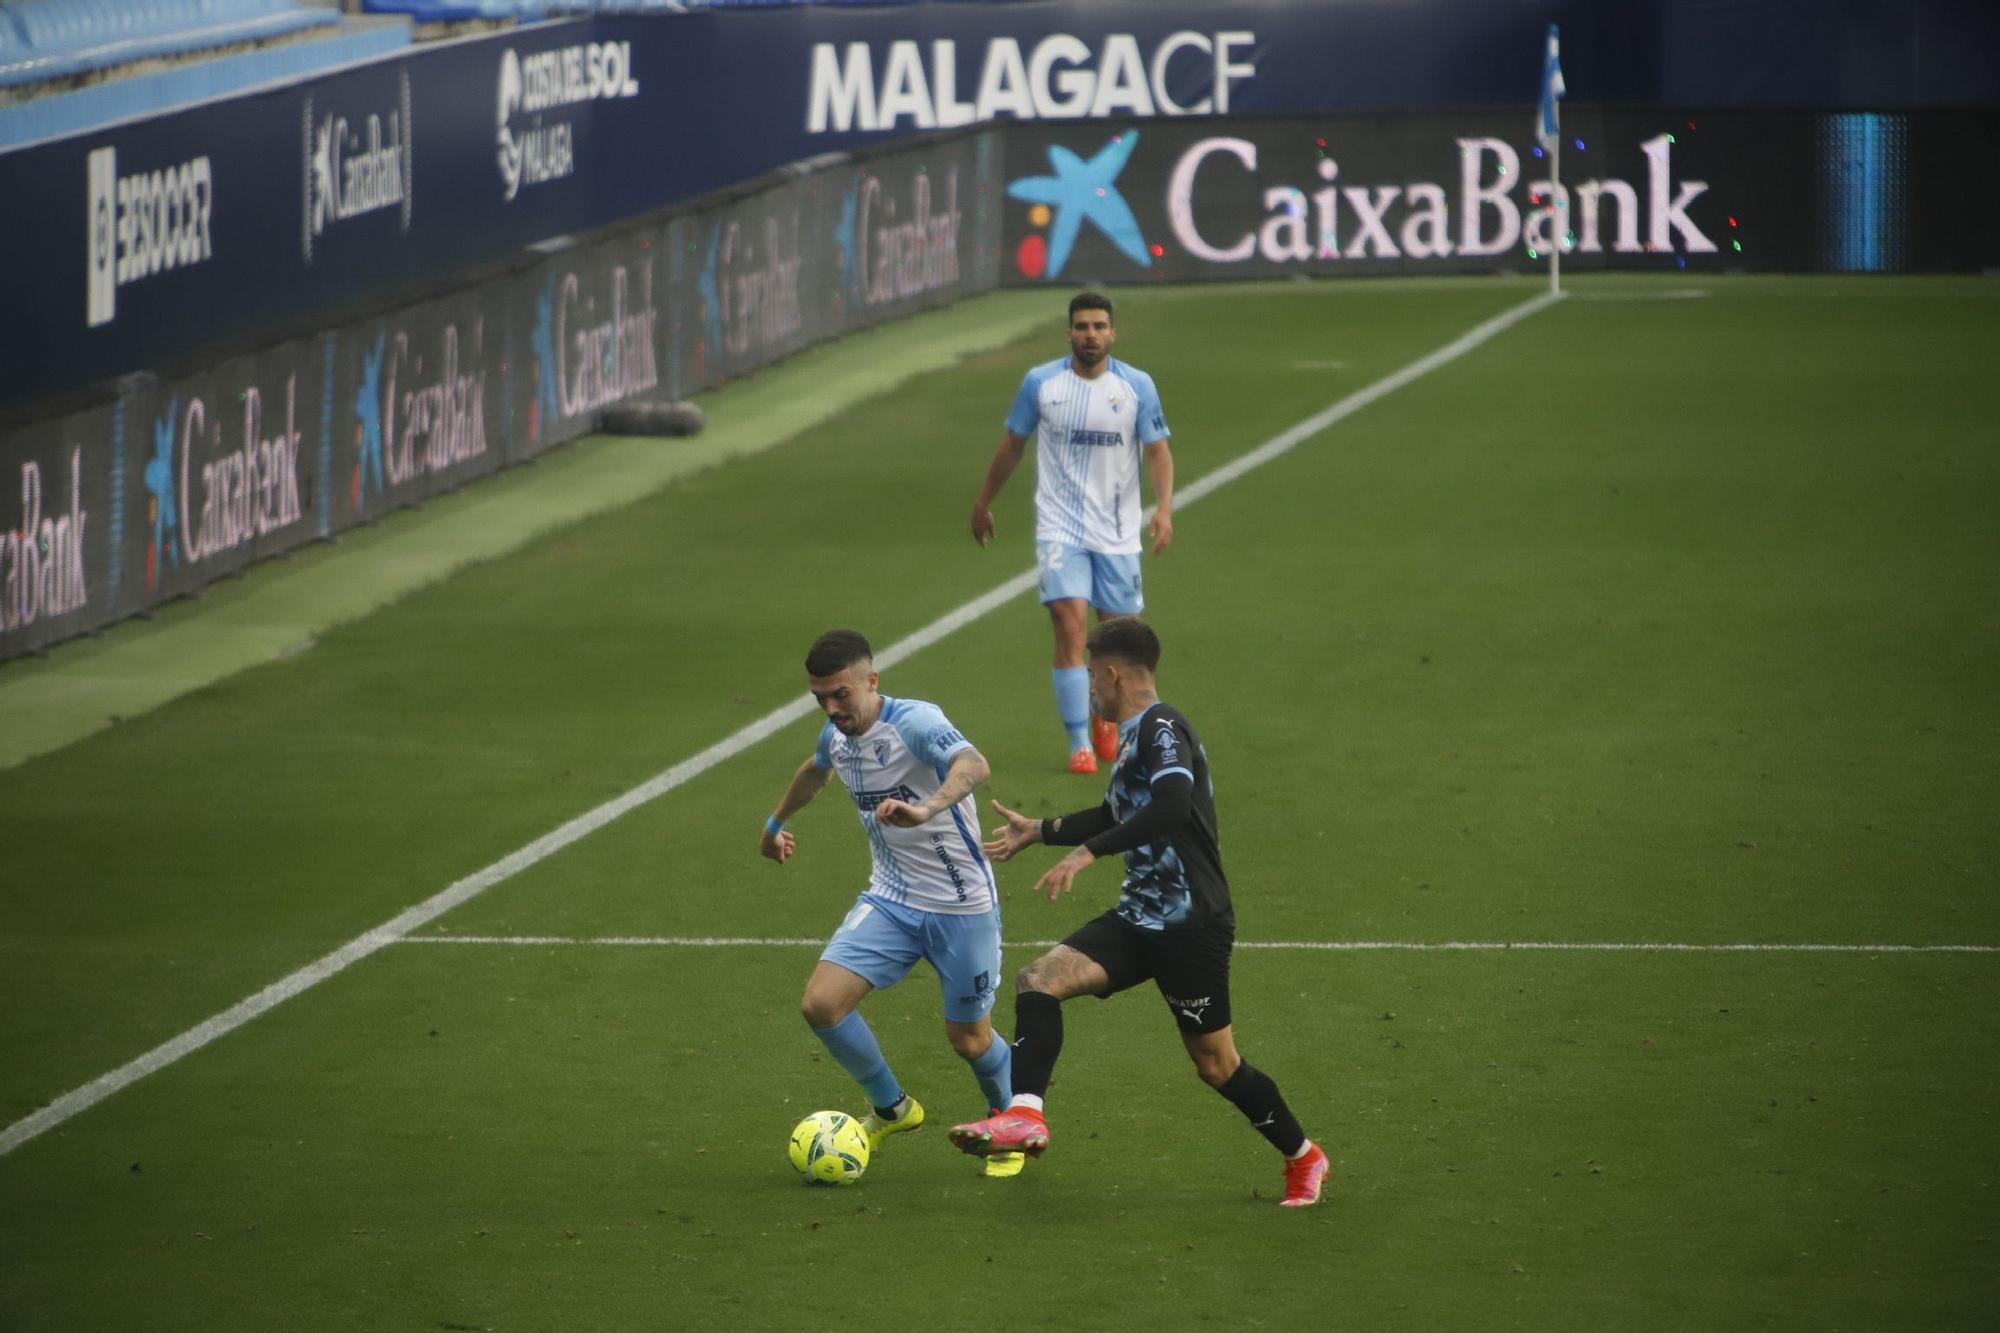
<point x="1088" y="434"/>
<point x="936" y="866"/>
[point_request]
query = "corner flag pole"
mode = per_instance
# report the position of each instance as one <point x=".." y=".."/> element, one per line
<point x="1548" y="132"/>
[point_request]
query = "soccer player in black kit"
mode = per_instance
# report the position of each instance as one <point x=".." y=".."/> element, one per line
<point x="1173" y="923"/>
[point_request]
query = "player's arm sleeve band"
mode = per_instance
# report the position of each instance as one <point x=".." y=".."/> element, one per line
<point x="1173" y="799"/>
<point x="1069" y="830"/>
<point x="774" y="825"/>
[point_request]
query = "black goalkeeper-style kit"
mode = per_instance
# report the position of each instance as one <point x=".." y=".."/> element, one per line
<point x="1160" y="812"/>
<point x="1173" y="923"/>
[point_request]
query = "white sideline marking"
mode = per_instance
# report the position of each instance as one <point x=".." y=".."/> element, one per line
<point x="78" y="1100"/>
<point x="1305" y="946"/>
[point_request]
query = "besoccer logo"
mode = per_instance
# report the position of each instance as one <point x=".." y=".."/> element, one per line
<point x="1079" y="191"/>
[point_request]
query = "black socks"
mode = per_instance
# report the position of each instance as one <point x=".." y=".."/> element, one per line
<point x="1038" y="1038"/>
<point x="1251" y="1091"/>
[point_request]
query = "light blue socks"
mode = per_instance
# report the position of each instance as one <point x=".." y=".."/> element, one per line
<point x="1073" y="703"/>
<point x="853" y="1044"/>
<point x="995" y="1072"/>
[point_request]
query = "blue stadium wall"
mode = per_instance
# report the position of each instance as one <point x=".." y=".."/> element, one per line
<point x="257" y="321"/>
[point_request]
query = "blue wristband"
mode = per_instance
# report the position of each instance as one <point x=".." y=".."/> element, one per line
<point x="773" y="825"/>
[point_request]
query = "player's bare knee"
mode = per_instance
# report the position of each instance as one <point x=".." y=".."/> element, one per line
<point x="1215" y="1067"/>
<point x="970" y="1043"/>
<point x="820" y="1011"/>
<point x="1029" y="978"/>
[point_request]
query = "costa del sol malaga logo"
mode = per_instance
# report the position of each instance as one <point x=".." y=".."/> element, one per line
<point x="1081" y="190"/>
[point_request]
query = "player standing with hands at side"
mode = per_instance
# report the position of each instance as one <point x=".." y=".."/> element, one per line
<point x="1173" y="923"/>
<point x="1092" y="416"/>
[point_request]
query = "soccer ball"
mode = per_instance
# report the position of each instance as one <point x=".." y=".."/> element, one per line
<point x="830" y="1148"/>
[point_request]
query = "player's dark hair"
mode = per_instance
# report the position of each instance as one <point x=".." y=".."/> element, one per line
<point x="836" y="650"/>
<point x="1091" y="301"/>
<point x="1125" y="639"/>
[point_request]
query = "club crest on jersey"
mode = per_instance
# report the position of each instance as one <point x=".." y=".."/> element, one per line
<point x="881" y="752"/>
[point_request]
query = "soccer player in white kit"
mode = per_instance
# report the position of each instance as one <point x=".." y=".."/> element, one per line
<point x="930" y="895"/>
<point x="1092" y="418"/>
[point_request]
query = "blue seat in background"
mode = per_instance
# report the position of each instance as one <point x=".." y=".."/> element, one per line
<point x="461" y="11"/>
<point x="12" y="45"/>
<point x="59" y="38"/>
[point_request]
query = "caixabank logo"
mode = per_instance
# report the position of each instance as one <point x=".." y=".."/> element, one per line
<point x="357" y="161"/>
<point x="213" y="485"/>
<point x="592" y="342"/>
<point x="419" y="408"/>
<point x="748" y="284"/>
<point x="896" y="242"/>
<point x="1076" y="191"/>
<point x="1272" y="198"/>
<point x="42" y="557"/>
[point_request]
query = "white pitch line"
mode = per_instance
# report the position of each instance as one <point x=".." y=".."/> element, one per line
<point x="78" y="1100"/>
<point x="1300" y="946"/>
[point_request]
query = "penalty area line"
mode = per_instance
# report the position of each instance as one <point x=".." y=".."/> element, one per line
<point x="1292" y="946"/>
<point x="398" y="928"/>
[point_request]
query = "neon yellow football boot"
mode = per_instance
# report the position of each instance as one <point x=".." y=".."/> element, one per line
<point x="1001" y="1165"/>
<point x="877" y="1129"/>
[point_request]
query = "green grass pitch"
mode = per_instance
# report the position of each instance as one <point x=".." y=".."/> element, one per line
<point x="1662" y="618"/>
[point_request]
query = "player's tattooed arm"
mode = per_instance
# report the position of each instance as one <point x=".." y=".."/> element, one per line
<point x="968" y="769"/>
<point x="1060" y="878"/>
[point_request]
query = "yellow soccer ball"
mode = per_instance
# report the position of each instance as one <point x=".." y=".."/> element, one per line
<point x="829" y="1148"/>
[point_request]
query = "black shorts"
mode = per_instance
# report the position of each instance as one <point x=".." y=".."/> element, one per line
<point x="1190" y="965"/>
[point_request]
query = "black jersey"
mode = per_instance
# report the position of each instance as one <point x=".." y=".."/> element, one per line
<point x="1159" y="811"/>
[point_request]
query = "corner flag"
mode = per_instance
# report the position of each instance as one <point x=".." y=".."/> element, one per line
<point x="1547" y="124"/>
<point x="1548" y="133"/>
